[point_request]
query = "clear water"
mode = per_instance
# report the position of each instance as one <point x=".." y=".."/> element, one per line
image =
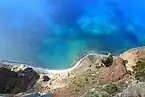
<point x="55" y="33"/>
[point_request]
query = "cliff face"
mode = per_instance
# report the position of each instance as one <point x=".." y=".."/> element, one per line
<point x="92" y="76"/>
<point x="13" y="82"/>
<point x="96" y="75"/>
<point x="101" y="74"/>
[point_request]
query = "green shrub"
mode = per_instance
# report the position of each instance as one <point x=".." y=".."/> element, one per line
<point x="113" y="88"/>
<point x="91" y="58"/>
<point x="139" y="70"/>
<point x="92" y="94"/>
<point x="97" y="94"/>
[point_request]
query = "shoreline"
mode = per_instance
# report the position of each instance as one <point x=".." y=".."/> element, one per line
<point x="74" y="66"/>
<point x="52" y="71"/>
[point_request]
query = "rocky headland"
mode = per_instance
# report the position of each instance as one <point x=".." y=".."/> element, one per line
<point x="94" y="75"/>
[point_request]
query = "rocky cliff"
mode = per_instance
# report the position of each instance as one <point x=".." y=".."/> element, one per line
<point x="94" y="75"/>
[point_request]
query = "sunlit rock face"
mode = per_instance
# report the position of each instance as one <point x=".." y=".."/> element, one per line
<point x="53" y="33"/>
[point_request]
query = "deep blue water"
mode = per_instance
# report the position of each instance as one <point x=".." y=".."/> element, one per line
<point x="54" y="33"/>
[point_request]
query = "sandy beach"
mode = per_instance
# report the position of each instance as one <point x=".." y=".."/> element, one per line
<point x="47" y="70"/>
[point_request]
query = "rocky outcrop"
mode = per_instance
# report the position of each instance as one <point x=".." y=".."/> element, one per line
<point x="108" y="60"/>
<point x="12" y="82"/>
<point x="132" y="56"/>
<point x="135" y="62"/>
<point x="46" y="78"/>
<point x="115" y="73"/>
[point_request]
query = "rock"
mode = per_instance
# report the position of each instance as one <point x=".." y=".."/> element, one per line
<point x="114" y="73"/>
<point x="12" y="82"/>
<point x="27" y="78"/>
<point x="46" y="78"/>
<point x="6" y="76"/>
<point x="18" y="68"/>
<point x="108" y="60"/>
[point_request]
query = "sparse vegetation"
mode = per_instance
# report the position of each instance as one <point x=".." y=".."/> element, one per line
<point x="140" y="71"/>
<point x="92" y="94"/>
<point x="97" y="94"/>
<point x="92" y="58"/>
<point x="112" y="89"/>
<point x="106" y="91"/>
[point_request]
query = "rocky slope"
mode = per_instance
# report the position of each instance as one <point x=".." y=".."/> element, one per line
<point x="94" y="75"/>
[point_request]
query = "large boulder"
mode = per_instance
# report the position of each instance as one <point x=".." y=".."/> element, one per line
<point x="108" y="60"/>
<point x="12" y="82"/>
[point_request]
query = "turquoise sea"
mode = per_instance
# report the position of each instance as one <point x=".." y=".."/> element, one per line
<point x="55" y="33"/>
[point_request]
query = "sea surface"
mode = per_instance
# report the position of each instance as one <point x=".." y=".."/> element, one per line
<point x="55" y="33"/>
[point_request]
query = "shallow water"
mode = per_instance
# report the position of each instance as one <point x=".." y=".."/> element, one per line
<point x="54" y="33"/>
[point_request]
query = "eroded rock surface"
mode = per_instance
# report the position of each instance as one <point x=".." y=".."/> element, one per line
<point x="12" y="82"/>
